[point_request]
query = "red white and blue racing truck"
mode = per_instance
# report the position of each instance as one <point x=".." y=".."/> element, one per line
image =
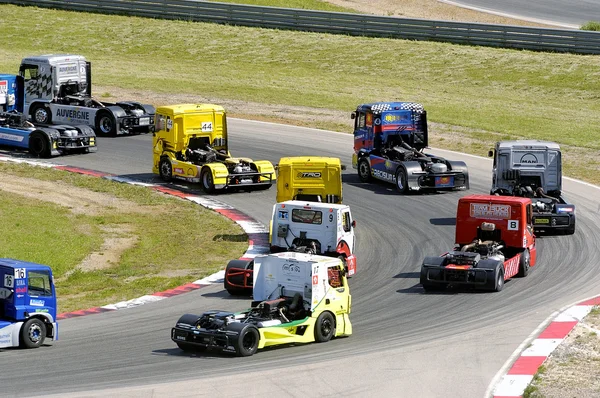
<point x="494" y="242"/>
<point x="389" y="139"/>
<point x="27" y="304"/>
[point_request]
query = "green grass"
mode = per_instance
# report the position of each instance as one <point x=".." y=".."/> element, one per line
<point x="177" y="241"/>
<point x="591" y="25"/>
<point x="301" y="4"/>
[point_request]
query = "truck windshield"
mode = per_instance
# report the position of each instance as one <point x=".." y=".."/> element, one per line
<point x="39" y="283"/>
<point x="307" y="216"/>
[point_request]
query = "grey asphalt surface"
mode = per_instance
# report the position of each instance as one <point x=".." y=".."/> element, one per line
<point x="572" y="13"/>
<point x="405" y="342"/>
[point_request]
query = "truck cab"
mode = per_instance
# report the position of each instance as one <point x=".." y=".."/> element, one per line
<point x="27" y="304"/>
<point x="309" y="178"/>
<point x="533" y="169"/>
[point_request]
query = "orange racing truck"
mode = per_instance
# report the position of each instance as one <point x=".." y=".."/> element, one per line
<point x="494" y="241"/>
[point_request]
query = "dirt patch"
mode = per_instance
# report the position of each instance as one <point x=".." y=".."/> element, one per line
<point x="119" y="239"/>
<point x="427" y="9"/>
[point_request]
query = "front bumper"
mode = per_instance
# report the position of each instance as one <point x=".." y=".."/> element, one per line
<point x="202" y="338"/>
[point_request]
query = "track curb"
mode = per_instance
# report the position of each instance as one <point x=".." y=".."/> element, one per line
<point x="529" y="358"/>
<point x="258" y="236"/>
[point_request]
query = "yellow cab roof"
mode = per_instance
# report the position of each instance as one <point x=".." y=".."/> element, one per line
<point x="181" y="109"/>
<point x="306" y="160"/>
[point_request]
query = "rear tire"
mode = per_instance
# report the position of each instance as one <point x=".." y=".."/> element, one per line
<point x="33" y="333"/>
<point x="165" y="169"/>
<point x="39" y="145"/>
<point x="524" y="264"/>
<point x="324" y="327"/>
<point x="247" y="341"/>
<point x="499" y="275"/>
<point x="364" y="170"/>
<point x="106" y="124"/>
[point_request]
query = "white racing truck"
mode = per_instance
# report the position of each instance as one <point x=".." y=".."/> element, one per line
<point x="299" y="226"/>
<point x="58" y="90"/>
<point x="533" y="169"/>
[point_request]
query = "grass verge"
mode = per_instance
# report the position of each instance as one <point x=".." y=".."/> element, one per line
<point x="113" y="241"/>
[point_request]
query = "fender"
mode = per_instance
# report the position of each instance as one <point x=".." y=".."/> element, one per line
<point x="413" y="172"/>
<point x="219" y="172"/>
<point x="53" y="135"/>
<point x="51" y="325"/>
<point x="264" y="166"/>
<point x="117" y="112"/>
<point x="460" y="166"/>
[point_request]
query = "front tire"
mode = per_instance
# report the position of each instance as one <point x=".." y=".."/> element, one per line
<point x="364" y="170"/>
<point x="247" y="342"/>
<point x="165" y="169"/>
<point x="40" y="114"/>
<point x="39" y="145"/>
<point x="33" y="333"/>
<point x="208" y="183"/>
<point x="401" y="180"/>
<point x="524" y="264"/>
<point x="324" y="327"/>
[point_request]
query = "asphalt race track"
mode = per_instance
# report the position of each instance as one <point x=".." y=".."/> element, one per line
<point x="572" y="13"/>
<point x="406" y="343"/>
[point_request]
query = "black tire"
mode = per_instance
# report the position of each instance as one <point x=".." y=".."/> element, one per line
<point x="499" y="282"/>
<point x="33" y="333"/>
<point x="524" y="264"/>
<point x="324" y="327"/>
<point x="247" y="341"/>
<point x="364" y="170"/>
<point x="233" y="290"/>
<point x="165" y="169"/>
<point x="39" y="145"/>
<point x="40" y="114"/>
<point x="208" y="184"/>
<point x="434" y="287"/>
<point x="106" y="125"/>
<point x="401" y="180"/>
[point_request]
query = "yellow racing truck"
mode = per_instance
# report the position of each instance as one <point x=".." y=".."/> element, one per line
<point x="190" y="143"/>
<point x="311" y="178"/>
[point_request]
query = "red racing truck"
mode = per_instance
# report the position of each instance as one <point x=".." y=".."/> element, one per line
<point x="494" y="241"/>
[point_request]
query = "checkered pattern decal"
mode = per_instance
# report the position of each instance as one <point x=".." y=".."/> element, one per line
<point x="40" y="87"/>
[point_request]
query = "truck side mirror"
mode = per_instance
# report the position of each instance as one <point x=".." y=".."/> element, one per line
<point x="491" y="153"/>
<point x="353" y="115"/>
<point x="353" y="223"/>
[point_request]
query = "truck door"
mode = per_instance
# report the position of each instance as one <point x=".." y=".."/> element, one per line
<point x="348" y="229"/>
<point x="363" y="131"/>
<point x="32" y="84"/>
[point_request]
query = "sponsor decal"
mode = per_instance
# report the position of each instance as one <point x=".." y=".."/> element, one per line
<point x="489" y="210"/>
<point x="11" y="137"/>
<point x="290" y="268"/>
<point x="384" y="175"/>
<point x="511" y="267"/>
<point x="282" y="215"/>
<point x="315" y="280"/>
<point x="3" y="87"/>
<point x="178" y="170"/>
<point x="41" y="310"/>
<point x="169" y="124"/>
<point x="529" y="158"/>
<point x="541" y="221"/>
<point x="397" y="117"/>
<point x="444" y="182"/>
<point x="70" y="69"/>
<point x="369" y="120"/>
<point x="37" y="303"/>
<point x="73" y="115"/>
<point x="313" y="174"/>
<point x="21" y="282"/>
<point x="21" y="289"/>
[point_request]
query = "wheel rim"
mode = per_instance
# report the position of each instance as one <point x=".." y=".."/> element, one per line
<point x="41" y="115"/>
<point x="207" y="180"/>
<point x="106" y="125"/>
<point x="326" y="327"/>
<point x="364" y="169"/>
<point x="399" y="181"/>
<point x="35" y="333"/>
<point x="249" y="341"/>
<point x="165" y="169"/>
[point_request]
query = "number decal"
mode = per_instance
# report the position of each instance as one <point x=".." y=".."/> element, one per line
<point x="19" y="273"/>
<point x="513" y="225"/>
<point x="330" y="217"/>
<point x="9" y="281"/>
<point x="207" y="126"/>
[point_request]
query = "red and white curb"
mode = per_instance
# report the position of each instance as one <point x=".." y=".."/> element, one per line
<point x="528" y="359"/>
<point x="258" y="236"/>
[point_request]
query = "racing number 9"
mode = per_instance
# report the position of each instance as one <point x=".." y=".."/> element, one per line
<point x="331" y="218"/>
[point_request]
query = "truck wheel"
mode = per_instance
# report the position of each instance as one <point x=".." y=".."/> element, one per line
<point x="208" y="183"/>
<point x="106" y="124"/>
<point x="33" y="333"/>
<point x="247" y="341"/>
<point x="165" y="169"/>
<point x="39" y="145"/>
<point x="499" y="274"/>
<point x="324" y="327"/>
<point x="364" y="170"/>
<point x="40" y="114"/>
<point x="401" y="180"/>
<point x="524" y="264"/>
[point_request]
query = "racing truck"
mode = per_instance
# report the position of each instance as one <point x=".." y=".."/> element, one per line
<point x="494" y="242"/>
<point x="312" y="178"/>
<point x="389" y="140"/>
<point x="58" y="90"/>
<point x="27" y="304"/>
<point x="40" y="140"/>
<point x="305" y="227"/>
<point x="298" y="298"/>
<point x="533" y="169"/>
<point x="191" y="143"/>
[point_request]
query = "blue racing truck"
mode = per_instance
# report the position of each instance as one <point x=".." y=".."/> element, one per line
<point x="27" y="304"/>
<point x="40" y="140"/>
<point x="389" y="139"/>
